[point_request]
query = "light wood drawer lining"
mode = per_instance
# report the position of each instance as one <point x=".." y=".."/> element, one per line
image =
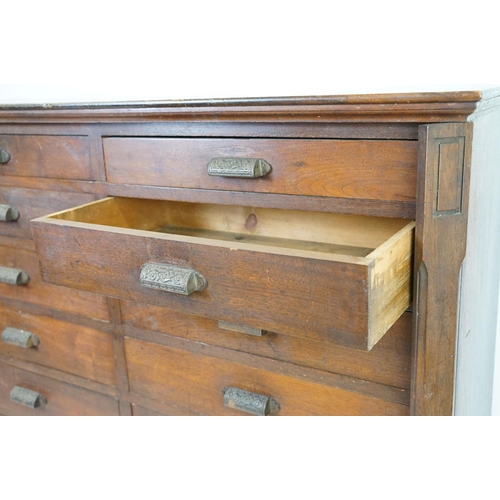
<point x="331" y="291"/>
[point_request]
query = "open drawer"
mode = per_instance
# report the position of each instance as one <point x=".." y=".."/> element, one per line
<point x="339" y="278"/>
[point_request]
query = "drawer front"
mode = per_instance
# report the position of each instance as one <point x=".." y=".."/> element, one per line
<point x="38" y="292"/>
<point x="61" y="398"/>
<point x="33" y="203"/>
<point x="387" y="363"/>
<point x="56" y="157"/>
<point x="196" y="382"/>
<point x="71" y="348"/>
<point x="375" y="170"/>
<point x="347" y="299"/>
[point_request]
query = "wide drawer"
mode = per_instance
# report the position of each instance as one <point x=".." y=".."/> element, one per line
<point x="46" y="341"/>
<point x="387" y="363"/>
<point x="368" y="169"/>
<point x="37" y="292"/>
<point x="331" y="277"/>
<point x="25" y="393"/>
<point x="18" y="206"/>
<point x="198" y="383"/>
<point x="57" y="157"/>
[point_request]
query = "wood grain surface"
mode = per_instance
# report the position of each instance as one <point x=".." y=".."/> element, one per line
<point x="250" y="284"/>
<point x="375" y="170"/>
<point x="62" y="399"/>
<point x="441" y="235"/>
<point x="387" y="363"/>
<point x="38" y="292"/>
<point x="196" y="381"/>
<point x="33" y="203"/>
<point x="75" y="349"/>
<point x="46" y="156"/>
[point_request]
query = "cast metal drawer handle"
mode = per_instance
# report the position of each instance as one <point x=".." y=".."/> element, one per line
<point x="27" y="397"/>
<point x="239" y="167"/>
<point x="8" y="213"/>
<point x="172" y="279"/>
<point x="249" y="402"/>
<point x="13" y="276"/>
<point x="20" y="338"/>
<point x="4" y="156"/>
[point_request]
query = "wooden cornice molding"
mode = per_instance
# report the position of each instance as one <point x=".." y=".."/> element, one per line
<point x="375" y="108"/>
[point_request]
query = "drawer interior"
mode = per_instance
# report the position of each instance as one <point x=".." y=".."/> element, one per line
<point x="347" y="278"/>
<point x="325" y="233"/>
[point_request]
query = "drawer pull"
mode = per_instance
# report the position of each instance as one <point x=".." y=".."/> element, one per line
<point x="249" y="330"/>
<point x="239" y="167"/>
<point x="172" y="279"/>
<point x="4" y="156"/>
<point x="28" y="398"/>
<point x="13" y="276"/>
<point x="249" y="402"/>
<point x="20" y="338"/>
<point x="8" y="213"/>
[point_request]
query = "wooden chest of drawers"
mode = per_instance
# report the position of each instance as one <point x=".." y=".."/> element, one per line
<point x="291" y="257"/>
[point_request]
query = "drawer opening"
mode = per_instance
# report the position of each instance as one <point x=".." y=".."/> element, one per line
<point x="326" y="233"/>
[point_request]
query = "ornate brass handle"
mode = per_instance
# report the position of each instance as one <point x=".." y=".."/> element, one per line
<point x="249" y="402"/>
<point x="20" y="338"/>
<point x="13" y="276"/>
<point x="172" y="279"/>
<point x="4" y="156"/>
<point x="239" y="167"/>
<point x="8" y="213"/>
<point x="27" y="397"/>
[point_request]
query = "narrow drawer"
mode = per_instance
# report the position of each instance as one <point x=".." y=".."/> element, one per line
<point x="75" y="349"/>
<point x="61" y="398"/>
<point x="197" y="383"/>
<point x="368" y="169"/>
<point x="57" y="157"/>
<point x="388" y="363"/>
<point x="29" y="204"/>
<point x="339" y="278"/>
<point x="44" y="294"/>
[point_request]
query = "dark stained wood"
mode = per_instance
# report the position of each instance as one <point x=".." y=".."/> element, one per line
<point x="71" y="348"/>
<point x="33" y="203"/>
<point x="387" y="363"/>
<point x="374" y="170"/>
<point x="62" y="399"/>
<point x="403" y="131"/>
<point x="41" y="293"/>
<point x="417" y="107"/>
<point x="443" y="186"/>
<point x="62" y="157"/>
<point x="196" y="381"/>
